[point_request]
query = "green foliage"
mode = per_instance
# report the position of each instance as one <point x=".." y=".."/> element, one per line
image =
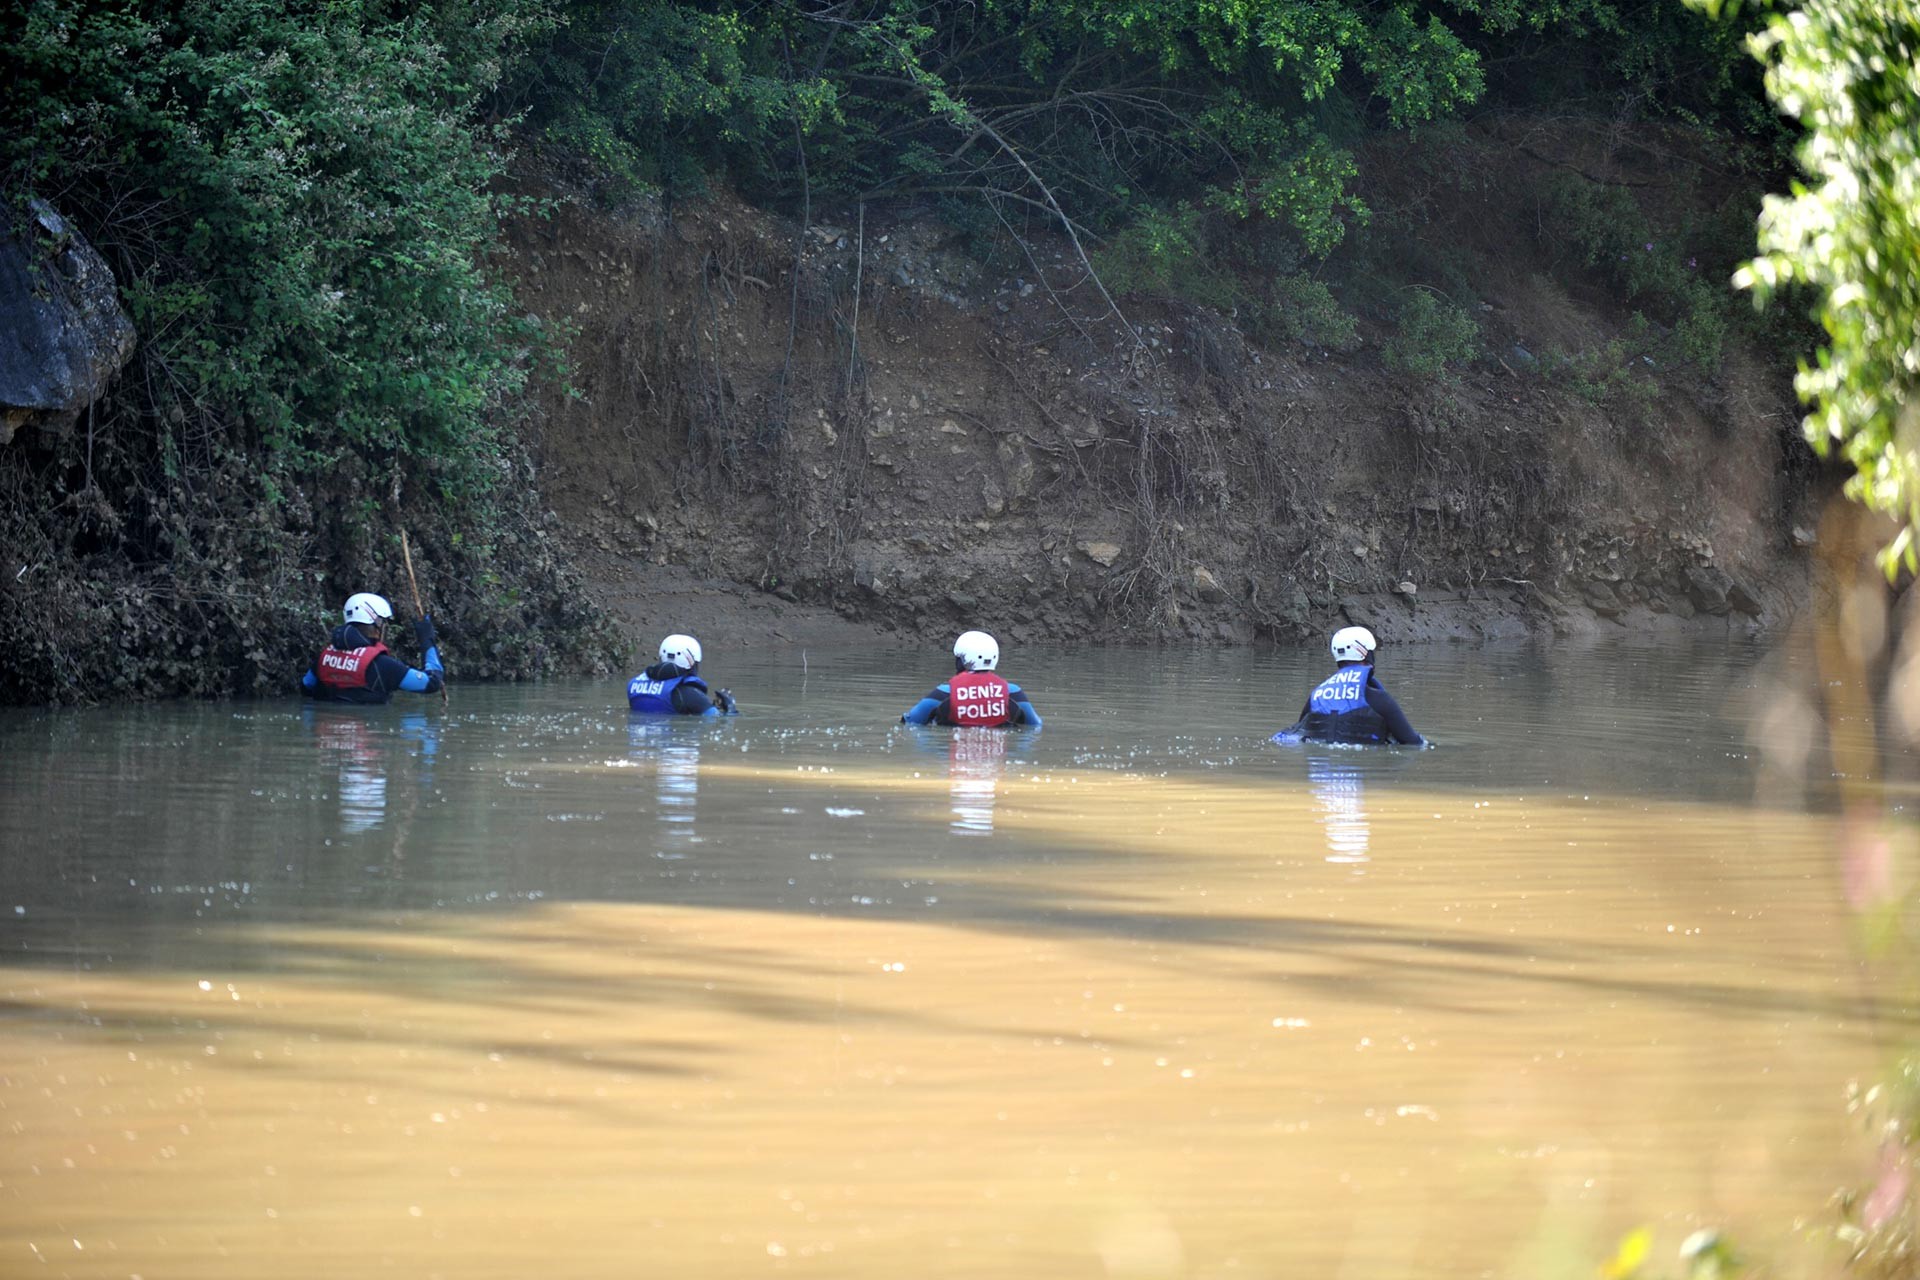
<point x="298" y="201"/>
<point x="1849" y="71"/>
<point x="1431" y="333"/>
<point x="1423" y="70"/>
<point x="1618" y="375"/>
<point x="1306" y="190"/>
<point x="1045" y="110"/>
<point x="1305" y="310"/>
<point x="1165" y="251"/>
<point x="1671" y="274"/>
<point x="1701" y="333"/>
<point x="1640" y="59"/>
<point x="655" y="94"/>
<point x="1174" y="253"/>
<point x="1120" y="118"/>
<point x="1419" y="69"/>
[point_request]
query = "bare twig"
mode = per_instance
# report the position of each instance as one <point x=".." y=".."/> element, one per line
<point x="919" y="75"/>
<point x="406" y="554"/>
<point x="780" y="400"/>
<point x="859" y="269"/>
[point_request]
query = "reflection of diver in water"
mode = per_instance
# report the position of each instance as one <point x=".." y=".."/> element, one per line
<point x="976" y="759"/>
<point x="674" y="747"/>
<point x="1340" y="789"/>
<point x="1339" y="776"/>
<point x="360" y="745"/>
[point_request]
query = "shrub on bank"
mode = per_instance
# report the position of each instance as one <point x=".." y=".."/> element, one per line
<point x="296" y="202"/>
<point x="1431" y="335"/>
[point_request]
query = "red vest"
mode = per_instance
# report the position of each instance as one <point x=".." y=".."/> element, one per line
<point x="346" y="668"/>
<point x="979" y="697"/>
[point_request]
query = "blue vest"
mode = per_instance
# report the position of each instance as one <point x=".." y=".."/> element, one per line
<point x="1342" y="692"/>
<point x="644" y="694"/>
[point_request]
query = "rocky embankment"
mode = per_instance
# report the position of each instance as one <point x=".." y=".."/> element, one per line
<point x="862" y="425"/>
<point x="862" y="416"/>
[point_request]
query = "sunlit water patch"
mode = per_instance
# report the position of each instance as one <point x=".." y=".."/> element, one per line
<point x="527" y="985"/>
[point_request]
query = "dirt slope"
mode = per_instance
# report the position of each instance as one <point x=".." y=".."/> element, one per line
<point x="921" y="442"/>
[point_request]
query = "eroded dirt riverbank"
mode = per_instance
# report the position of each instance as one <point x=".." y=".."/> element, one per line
<point x="863" y="417"/>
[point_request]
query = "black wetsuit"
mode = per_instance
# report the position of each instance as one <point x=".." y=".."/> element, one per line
<point x="671" y="688"/>
<point x="376" y="679"/>
<point x="1353" y="708"/>
<point x="936" y="707"/>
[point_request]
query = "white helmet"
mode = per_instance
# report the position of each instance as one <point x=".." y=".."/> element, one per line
<point x="1353" y="644"/>
<point x="368" y="608"/>
<point x="681" y="651"/>
<point x="976" y="651"/>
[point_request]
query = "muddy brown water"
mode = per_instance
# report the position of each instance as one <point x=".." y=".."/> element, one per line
<point x="524" y="987"/>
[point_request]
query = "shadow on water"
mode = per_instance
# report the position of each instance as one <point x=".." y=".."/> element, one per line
<point x="1137" y="994"/>
<point x="205" y="837"/>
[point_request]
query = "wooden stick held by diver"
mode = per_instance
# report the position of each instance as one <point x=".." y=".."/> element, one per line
<point x="406" y="554"/>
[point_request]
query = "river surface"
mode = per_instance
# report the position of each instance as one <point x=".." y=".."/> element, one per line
<point x="522" y="986"/>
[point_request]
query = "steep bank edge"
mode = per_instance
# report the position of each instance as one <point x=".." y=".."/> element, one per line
<point x="984" y="458"/>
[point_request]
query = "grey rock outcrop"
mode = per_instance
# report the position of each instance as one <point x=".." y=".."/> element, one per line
<point x="63" y="332"/>
<point x="1707" y="587"/>
<point x="1603" y="599"/>
<point x="1207" y="586"/>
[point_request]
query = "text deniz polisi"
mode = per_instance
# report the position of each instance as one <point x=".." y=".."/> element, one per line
<point x="982" y="702"/>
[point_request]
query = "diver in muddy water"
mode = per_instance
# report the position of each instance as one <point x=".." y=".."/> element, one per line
<point x="356" y="666"/>
<point x="976" y="695"/>
<point x="672" y="686"/>
<point x="1351" y="706"/>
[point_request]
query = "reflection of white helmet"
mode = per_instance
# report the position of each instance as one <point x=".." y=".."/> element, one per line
<point x="1353" y="644"/>
<point x="976" y="651"/>
<point x="368" y="608"/>
<point x="681" y="651"/>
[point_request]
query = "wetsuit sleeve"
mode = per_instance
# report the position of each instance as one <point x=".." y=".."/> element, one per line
<point x="1023" y="708"/>
<point x="391" y="673"/>
<point x="924" y="711"/>
<point x="691" y="699"/>
<point x="1398" y="729"/>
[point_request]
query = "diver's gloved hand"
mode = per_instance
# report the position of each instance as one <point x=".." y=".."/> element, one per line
<point x="723" y="699"/>
<point x="423" y="631"/>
